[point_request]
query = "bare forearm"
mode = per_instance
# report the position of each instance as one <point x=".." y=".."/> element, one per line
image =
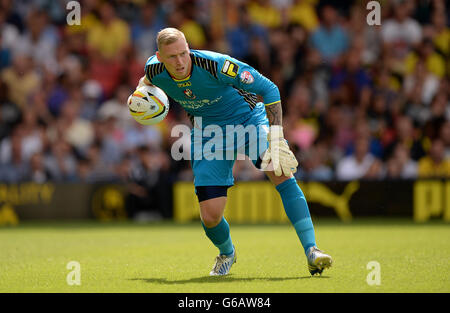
<point x="144" y="81"/>
<point x="274" y="114"/>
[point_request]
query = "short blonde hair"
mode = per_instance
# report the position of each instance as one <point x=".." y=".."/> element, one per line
<point x="167" y="36"/>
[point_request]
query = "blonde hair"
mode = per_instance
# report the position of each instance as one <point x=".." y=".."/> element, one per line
<point x="167" y="36"/>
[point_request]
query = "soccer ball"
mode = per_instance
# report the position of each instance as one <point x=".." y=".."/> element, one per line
<point x="148" y="105"/>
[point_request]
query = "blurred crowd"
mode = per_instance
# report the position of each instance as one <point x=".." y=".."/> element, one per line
<point x="359" y="101"/>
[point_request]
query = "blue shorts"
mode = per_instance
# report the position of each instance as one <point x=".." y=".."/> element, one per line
<point x="215" y="148"/>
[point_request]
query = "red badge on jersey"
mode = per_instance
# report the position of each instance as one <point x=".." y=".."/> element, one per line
<point x="246" y="77"/>
<point x="188" y="93"/>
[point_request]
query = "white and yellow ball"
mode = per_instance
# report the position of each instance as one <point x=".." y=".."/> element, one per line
<point x="148" y="105"/>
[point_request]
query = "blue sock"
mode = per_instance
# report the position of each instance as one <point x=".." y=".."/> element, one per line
<point x="220" y="236"/>
<point x="296" y="208"/>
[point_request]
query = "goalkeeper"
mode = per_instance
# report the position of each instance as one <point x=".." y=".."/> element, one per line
<point x="223" y="91"/>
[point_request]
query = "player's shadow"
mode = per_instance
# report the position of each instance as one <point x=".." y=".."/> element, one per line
<point x="220" y="279"/>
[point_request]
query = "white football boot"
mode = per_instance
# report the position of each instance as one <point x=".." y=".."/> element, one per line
<point x="223" y="264"/>
<point x="317" y="260"/>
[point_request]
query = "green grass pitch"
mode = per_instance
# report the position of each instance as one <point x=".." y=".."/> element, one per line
<point x="177" y="258"/>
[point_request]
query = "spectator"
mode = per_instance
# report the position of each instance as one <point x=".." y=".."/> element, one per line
<point x="27" y="135"/>
<point x="264" y="13"/>
<point x="183" y="18"/>
<point x="9" y="112"/>
<point x="32" y="134"/>
<point x="362" y="130"/>
<point x="441" y="33"/>
<point x="144" y="30"/>
<point x="365" y="38"/>
<point x="83" y="170"/>
<point x="420" y="88"/>
<point x="436" y="115"/>
<point x="99" y="170"/>
<point x="138" y="135"/>
<point x="13" y="17"/>
<point x="435" y="165"/>
<point x="115" y="107"/>
<point x="21" y="79"/>
<point x="108" y="42"/>
<point x="91" y="93"/>
<point x="313" y="164"/>
<point x="88" y="20"/>
<point x="40" y="108"/>
<point x="287" y="66"/>
<point x="8" y="35"/>
<point x="359" y="164"/>
<point x="330" y="39"/>
<point x="302" y="12"/>
<point x="110" y="139"/>
<point x="400" y="165"/>
<point x="339" y="121"/>
<point x="133" y="72"/>
<point x="400" y="33"/>
<point x="61" y="162"/>
<point x="13" y="166"/>
<point x="38" y="172"/>
<point x="147" y="177"/>
<point x="111" y="36"/>
<point x="433" y="61"/>
<point x="407" y="136"/>
<point x="55" y="9"/>
<point x="77" y="131"/>
<point x="40" y="40"/>
<point x="351" y="77"/>
<point x="58" y="94"/>
<point x="240" y="36"/>
<point x="303" y="122"/>
<point x="380" y="119"/>
<point x="445" y="136"/>
<point x="76" y="35"/>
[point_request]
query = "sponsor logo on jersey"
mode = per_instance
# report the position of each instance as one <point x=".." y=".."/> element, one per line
<point x="188" y="93"/>
<point x="230" y="69"/>
<point x="184" y="85"/>
<point x="246" y="77"/>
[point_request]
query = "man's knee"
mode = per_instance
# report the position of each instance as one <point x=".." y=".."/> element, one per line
<point x="211" y="217"/>
<point x="211" y="211"/>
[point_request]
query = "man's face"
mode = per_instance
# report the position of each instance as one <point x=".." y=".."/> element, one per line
<point x="361" y="148"/>
<point x="176" y="58"/>
<point x="329" y="15"/>
<point x="437" y="151"/>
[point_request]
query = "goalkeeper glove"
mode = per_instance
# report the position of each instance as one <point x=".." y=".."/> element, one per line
<point x="283" y="160"/>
